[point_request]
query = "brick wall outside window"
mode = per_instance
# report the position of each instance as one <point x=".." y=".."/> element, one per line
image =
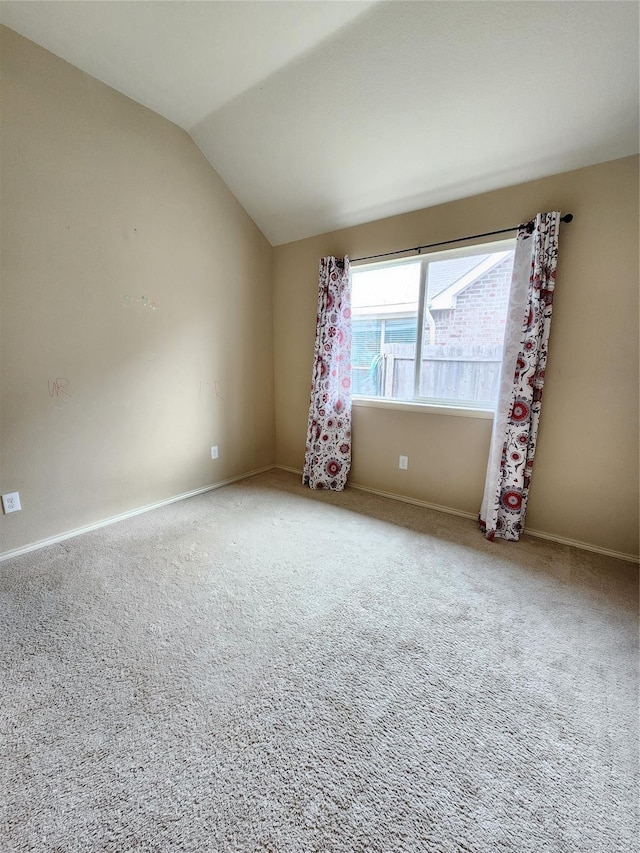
<point x="480" y="313"/>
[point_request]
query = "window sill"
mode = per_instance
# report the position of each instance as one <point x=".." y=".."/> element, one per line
<point x="422" y="408"/>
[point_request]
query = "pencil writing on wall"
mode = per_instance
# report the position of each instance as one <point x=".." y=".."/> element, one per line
<point x="58" y="386"/>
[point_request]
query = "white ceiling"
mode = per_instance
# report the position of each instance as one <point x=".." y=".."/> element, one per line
<point x="320" y="115"/>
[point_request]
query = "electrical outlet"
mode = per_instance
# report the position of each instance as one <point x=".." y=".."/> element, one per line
<point x="403" y="463"/>
<point x="11" y="502"/>
<point x="214" y="452"/>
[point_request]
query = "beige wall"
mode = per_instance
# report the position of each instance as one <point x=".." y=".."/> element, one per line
<point x="585" y="481"/>
<point x="103" y="203"/>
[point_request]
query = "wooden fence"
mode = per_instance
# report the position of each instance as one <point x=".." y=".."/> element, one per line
<point x="449" y="371"/>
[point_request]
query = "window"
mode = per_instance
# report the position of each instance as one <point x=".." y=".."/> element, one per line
<point x="451" y="308"/>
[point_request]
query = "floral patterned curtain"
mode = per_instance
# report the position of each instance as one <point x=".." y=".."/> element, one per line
<point x="515" y="429"/>
<point x="328" y="451"/>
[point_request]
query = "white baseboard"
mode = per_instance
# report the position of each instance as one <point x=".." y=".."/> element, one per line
<point x="297" y="471"/>
<point x="87" y="528"/>
<point x="584" y="546"/>
<point x="415" y="501"/>
<point x="539" y="534"/>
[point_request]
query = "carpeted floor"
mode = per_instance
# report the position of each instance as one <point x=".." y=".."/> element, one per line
<point x="265" y="668"/>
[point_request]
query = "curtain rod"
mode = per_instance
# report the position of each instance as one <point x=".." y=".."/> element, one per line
<point x="568" y="217"/>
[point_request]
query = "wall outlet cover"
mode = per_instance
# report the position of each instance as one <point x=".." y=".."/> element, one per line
<point x="403" y="463"/>
<point x="214" y="452"/>
<point x="11" y="502"/>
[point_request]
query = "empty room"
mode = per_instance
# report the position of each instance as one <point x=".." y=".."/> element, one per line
<point x="319" y="434"/>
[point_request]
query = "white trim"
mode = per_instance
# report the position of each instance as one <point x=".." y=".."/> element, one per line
<point x="417" y="357"/>
<point x="583" y="546"/>
<point x="538" y="534"/>
<point x="422" y="408"/>
<point x="415" y="501"/>
<point x="53" y="540"/>
<point x="297" y="471"/>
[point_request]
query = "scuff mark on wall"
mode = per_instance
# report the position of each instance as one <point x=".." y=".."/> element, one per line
<point x="145" y="301"/>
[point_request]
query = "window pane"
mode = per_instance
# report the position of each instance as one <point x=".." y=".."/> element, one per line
<point x="465" y="313"/>
<point x="365" y="347"/>
<point x="365" y="341"/>
<point x="384" y="305"/>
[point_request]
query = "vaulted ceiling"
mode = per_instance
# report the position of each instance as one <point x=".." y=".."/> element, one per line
<point x="320" y="115"/>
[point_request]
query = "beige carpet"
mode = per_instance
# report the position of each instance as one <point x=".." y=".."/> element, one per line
<point x="265" y="668"/>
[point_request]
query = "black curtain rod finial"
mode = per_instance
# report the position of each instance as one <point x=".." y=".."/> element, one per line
<point x="568" y="217"/>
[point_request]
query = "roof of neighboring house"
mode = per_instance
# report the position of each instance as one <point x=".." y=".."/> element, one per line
<point x="446" y="296"/>
<point x="442" y="274"/>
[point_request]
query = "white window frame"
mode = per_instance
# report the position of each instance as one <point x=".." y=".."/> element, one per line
<point x="428" y="404"/>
